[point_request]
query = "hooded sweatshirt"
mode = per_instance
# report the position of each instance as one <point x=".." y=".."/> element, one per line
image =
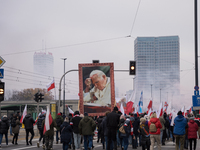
<point x="28" y="122"/>
<point x="87" y="126"/>
<point x="4" y="125"/>
<point x="180" y="124"/>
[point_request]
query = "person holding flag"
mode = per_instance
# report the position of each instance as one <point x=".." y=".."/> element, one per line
<point x="48" y="125"/>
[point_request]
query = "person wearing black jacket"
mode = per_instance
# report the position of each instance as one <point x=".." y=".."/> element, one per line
<point x="28" y="123"/>
<point x="145" y="136"/>
<point x="39" y="126"/>
<point x="74" y="122"/>
<point x="136" y="125"/>
<point x="4" y="126"/>
<point x="66" y="133"/>
<point x="112" y="125"/>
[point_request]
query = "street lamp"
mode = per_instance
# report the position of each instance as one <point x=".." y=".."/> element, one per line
<point x="64" y="88"/>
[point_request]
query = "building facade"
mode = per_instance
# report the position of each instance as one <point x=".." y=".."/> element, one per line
<point x="43" y="64"/>
<point x="157" y="67"/>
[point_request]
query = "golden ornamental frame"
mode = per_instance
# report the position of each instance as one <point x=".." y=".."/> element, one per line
<point x="81" y="105"/>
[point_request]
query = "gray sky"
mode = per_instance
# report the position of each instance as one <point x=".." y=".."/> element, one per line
<point x="86" y="30"/>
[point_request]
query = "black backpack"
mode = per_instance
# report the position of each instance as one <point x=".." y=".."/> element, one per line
<point x="13" y="123"/>
<point x="58" y="122"/>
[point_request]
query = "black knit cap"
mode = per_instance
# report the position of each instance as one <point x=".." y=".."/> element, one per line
<point x="115" y="108"/>
<point x="179" y="113"/>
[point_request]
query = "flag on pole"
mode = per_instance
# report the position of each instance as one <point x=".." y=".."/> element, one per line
<point x="150" y="111"/>
<point x="51" y="85"/>
<point x="169" y="108"/>
<point x="183" y="110"/>
<point x="160" y="111"/>
<point x="122" y="109"/>
<point x="129" y="107"/>
<point x="141" y="103"/>
<point x="24" y="114"/>
<point x="149" y="106"/>
<point x="48" y="120"/>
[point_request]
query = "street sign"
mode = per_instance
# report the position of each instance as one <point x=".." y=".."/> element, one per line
<point x="196" y="102"/>
<point x="2" y="61"/>
<point x="1" y="73"/>
<point x="196" y="92"/>
<point x="196" y="88"/>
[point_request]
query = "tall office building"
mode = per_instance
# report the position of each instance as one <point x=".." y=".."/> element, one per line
<point x="43" y="63"/>
<point x="157" y="68"/>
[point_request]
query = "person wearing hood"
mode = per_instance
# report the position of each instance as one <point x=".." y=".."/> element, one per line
<point x="136" y="125"/>
<point x="4" y="126"/>
<point x="76" y="134"/>
<point x="15" y="129"/>
<point x="39" y="126"/>
<point x="66" y="133"/>
<point x="192" y="132"/>
<point x="28" y="123"/>
<point x="180" y="124"/>
<point x="86" y="128"/>
<point x="59" y="121"/>
<point x="145" y="136"/>
<point x="154" y="131"/>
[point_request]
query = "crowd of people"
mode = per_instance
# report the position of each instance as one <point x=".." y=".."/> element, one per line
<point x="115" y="130"/>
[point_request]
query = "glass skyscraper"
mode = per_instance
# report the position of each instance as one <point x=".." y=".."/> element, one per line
<point x="157" y="67"/>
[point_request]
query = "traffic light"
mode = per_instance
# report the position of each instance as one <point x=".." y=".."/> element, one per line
<point x="36" y="97"/>
<point x="132" y="68"/>
<point x="2" y="91"/>
<point x="41" y="97"/>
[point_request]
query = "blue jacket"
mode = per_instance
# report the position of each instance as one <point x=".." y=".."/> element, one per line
<point x="66" y="132"/>
<point x="180" y="124"/>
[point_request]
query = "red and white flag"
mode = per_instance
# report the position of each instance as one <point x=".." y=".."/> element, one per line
<point x="150" y="111"/>
<point x="183" y="110"/>
<point x="51" y="85"/>
<point x="24" y="114"/>
<point x="48" y="120"/>
<point x="149" y="106"/>
<point x="122" y="109"/>
<point x="160" y="111"/>
<point x="129" y="107"/>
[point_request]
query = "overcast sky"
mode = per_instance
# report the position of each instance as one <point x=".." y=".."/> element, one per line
<point x="86" y="30"/>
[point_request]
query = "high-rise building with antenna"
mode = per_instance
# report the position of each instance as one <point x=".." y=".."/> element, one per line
<point x="43" y="63"/>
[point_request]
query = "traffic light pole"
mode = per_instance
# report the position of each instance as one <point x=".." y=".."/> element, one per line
<point x="0" y="109"/>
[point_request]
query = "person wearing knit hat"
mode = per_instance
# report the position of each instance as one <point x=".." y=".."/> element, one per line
<point x="144" y="132"/>
<point x="59" y="121"/>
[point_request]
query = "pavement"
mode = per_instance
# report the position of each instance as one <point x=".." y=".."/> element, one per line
<point x="97" y="146"/>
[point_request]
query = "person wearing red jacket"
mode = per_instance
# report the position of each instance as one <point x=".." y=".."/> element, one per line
<point x="192" y="132"/>
<point x="155" y="136"/>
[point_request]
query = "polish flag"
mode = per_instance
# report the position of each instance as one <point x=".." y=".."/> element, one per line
<point x="122" y="109"/>
<point x="129" y="107"/>
<point x="24" y="114"/>
<point x="183" y="110"/>
<point x="51" y="85"/>
<point x="48" y="120"/>
<point x="36" y="119"/>
<point x="149" y="106"/>
<point x="137" y="111"/>
<point x="150" y="111"/>
<point x="160" y="111"/>
<point x="70" y="111"/>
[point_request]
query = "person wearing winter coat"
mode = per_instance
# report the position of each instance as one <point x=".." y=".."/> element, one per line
<point x="49" y="135"/>
<point x="154" y="135"/>
<point x="105" y="130"/>
<point x="144" y="132"/>
<point x="192" y="132"/>
<point x="39" y="126"/>
<point x="162" y="130"/>
<point x="74" y="122"/>
<point x="122" y="120"/>
<point x="4" y="126"/>
<point x="59" y="121"/>
<point x="179" y="130"/>
<point x="66" y="133"/>
<point x="112" y="125"/>
<point x="136" y="125"/>
<point x="15" y="129"/>
<point x="28" y="123"/>
<point x="86" y="128"/>
<point x="128" y="131"/>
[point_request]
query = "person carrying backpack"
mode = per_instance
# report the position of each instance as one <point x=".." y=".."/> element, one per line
<point x="66" y="133"/>
<point x="144" y="132"/>
<point x="154" y="131"/>
<point x="15" y="123"/>
<point x="59" y="122"/>
<point x="39" y="126"/>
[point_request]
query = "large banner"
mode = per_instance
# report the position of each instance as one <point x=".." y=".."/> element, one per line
<point x="96" y="88"/>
